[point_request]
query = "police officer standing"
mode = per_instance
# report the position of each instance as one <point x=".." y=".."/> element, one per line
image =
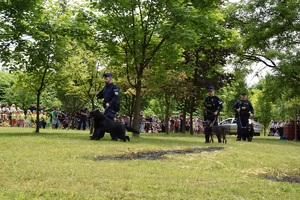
<point x="111" y="103"/>
<point x="244" y="109"/>
<point x="212" y="107"/>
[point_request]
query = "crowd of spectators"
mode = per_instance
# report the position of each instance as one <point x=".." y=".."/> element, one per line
<point x="152" y="124"/>
<point x="276" y="128"/>
<point x="12" y="116"/>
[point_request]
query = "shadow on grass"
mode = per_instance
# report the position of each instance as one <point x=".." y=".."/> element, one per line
<point x="154" y="155"/>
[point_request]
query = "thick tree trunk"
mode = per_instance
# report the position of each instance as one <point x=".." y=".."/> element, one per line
<point x="183" y="121"/>
<point x="39" y="92"/>
<point x="131" y="111"/>
<point x="37" y="126"/>
<point x="184" y="117"/>
<point x="137" y="107"/>
<point x="92" y="122"/>
<point x="191" y="116"/>
<point x="191" y="123"/>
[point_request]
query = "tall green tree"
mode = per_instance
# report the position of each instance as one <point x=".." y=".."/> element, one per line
<point x="39" y="45"/>
<point x="270" y="35"/>
<point x="138" y="33"/>
<point x="263" y="106"/>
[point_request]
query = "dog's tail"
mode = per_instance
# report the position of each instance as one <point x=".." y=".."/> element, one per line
<point x="128" y="128"/>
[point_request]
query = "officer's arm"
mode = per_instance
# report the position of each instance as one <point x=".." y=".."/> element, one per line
<point x="116" y="96"/>
<point x="220" y="105"/>
<point x="251" y="108"/>
<point x="204" y="104"/>
<point x="236" y="106"/>
<point x="100" y="95"/>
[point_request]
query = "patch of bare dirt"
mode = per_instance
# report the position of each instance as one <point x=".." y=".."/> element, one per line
<point x="154" y="155"/>
<point x="288" y="179"/>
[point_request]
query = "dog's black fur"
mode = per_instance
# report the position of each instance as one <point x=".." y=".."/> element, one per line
<point x="220" y="131"/>
<point x="248" y="133"/>
<point x="104" y="124"/>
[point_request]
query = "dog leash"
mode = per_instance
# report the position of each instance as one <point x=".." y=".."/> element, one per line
<point x="214" y="118"/>
<point x="213" y="122"/>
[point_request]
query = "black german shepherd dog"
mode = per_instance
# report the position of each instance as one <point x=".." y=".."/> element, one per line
<point x="220" y="131"/>
<point x="104" y="124"/>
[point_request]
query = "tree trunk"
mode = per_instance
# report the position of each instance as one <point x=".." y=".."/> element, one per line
<point x="184" y="116"/>
<point x="191" y="116"/>
<point x="131" y="110"/>
<point x="137" y="107"/>
<point x="39" y="92"/>
<point x="37" y="127"/>
<point x="167" y="113"/>
<point x="92" y="122"/>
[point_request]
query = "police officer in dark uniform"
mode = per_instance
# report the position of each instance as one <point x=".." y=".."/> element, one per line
<point x="111" y="103"/>
<point x="244" y="109"/>
<point x="212" y="107"/>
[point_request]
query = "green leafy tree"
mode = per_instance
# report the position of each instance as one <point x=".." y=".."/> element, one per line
<point x="263" y="110"/>
<point x="40" y="47"/>
<point x="19" y="94"/>
<point x="269" y="31"/>
<point x="138" y="33"/>
<point x="6" y="81"/>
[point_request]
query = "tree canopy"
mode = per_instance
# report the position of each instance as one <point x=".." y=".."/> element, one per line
<point x="158" y="50"/>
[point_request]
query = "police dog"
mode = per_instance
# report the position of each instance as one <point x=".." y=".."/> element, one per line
<point x="220" y="131"/>
<point x="207" y="125"/>
<point x="104" y="124"/>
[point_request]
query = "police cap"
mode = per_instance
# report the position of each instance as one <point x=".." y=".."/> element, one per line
<point x="244" y="94"/>
<point x="211" y="88"/>
<point x="107" y="75"/>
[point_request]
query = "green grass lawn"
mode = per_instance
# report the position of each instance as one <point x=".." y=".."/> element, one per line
<point x="62" y="164"/>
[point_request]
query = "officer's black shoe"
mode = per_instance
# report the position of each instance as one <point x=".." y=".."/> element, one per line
<point x="244" y="139"/>
<point x="249" y="139"/>
<point x="238" y="139"/>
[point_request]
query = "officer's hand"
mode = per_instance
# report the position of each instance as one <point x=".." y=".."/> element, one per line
<point x="251" y="115"/>
<point x="238" y="110"/>
<point x="107" y="105"/>
<point x="96" y="93"/>
<point x="216" y="113"/>
<point x="204" y="108"/>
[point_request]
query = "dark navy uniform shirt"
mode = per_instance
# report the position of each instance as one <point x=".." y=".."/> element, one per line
<point x="245" y="107"/>
<point x="111" y="95"/>
<point x="213" y="104"/>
